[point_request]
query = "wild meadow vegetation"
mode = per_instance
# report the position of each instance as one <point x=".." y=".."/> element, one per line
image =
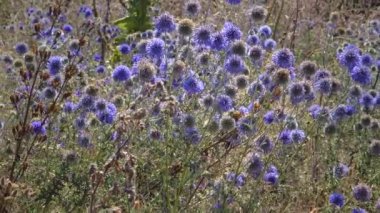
<point x="190" y="106"/>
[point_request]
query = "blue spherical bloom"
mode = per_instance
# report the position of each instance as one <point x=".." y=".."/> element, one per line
<point x="218" y="41"/>
<point x="21" y="48"/>
<point x="297" y="136"/>
<point x="84" y="142"/>
<point x="361" y="75"/>
<point x="269" y="44"/>
<point x="100" y="105"/>
<point x="240" y="180"/>
<point x="362" y="192"/>
<point x="339" y="113"/>
<point x="80" y="123"/>
<point x="224" y="103"/>
<point x="164" y="23"/>
<point x="323" y="86"/>
<point x="283" y="58"/>
<point x="271" y="178"/>
<point x="321" y="74"/>
<point x="265" y="144"/>
<point x="121" y="73"/>
<point x="203" y="36"/>
<point x="253" y="40"/>
<point x="284" y="136"/>
<point x="359" y="210"/>
<point x="100" y="69"/>
<point x="124" y="49"/>
<point x="38" y="128"/>
<point x="350" y="57"/>
<point x="192" y="85"/>
<point x="54" y="65"/>
<point x="367" y="100"/>
<point x="155" y="48"/>
<point x="234" y="64"/>
<point x="86" y="102"/>
<point x="245" y="126"/>
<point x="337" y="199"/>
<point x="233" y="2"/>
<point x="69" y="107"/>
<point x="231" y="176"/>
<point x="67" y="28"/>
<point x="108" y="115"/>
<point x="256" y="89"/>
<point x="231" y="32"/>
<point x="340" y="171"/>
<point x="265" y="31"/>
<point x="272" y="169"/>
<point x="296" y="92"/>
<point x="192" y="135"/>
<point x="350" y="110"/>
<point x="269" y="117"/>
<point x="255" y="167"/>
<point x="367" y="60"/>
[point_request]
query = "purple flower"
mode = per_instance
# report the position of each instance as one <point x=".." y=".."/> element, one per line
<point x="54" y="65"/>
<point x="231" y="32"/>
<point x="283" y="58"/>
<point x="362" y="192"/>
<point x="269" y="117"/>
<point x="121" y="73"/>
<point x="284" y="136"/>
<point x="234" y="64"/>
<point x="361" y="75"/>
<point x="164" y="23"/>
<point x="337" y="199"/>
<point x="192" y="85"/>
<point x="224" y="103"/>
<point x="38" y="128"/>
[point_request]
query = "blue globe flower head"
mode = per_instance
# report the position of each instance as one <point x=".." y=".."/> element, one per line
<point x="350" y="110"/>
<point x="124" y="49"/>
<point x="272" y="169"/>
<point x="192" y="135"/>
<point x="38" y="128"/>
<point x="233" y="2"/>
<point x="271" y="178"/>
<point x="240" y="180"/>
<point x="223" y="103"/>
<point x="285" y="137"/>
<point x="340" y="171"/>
<point x="321" y="74"/>
<point x="361" y="75"/>
<point x="323" y="86"/>
<point x="80" y="123"/>
<point x="202" y="35"/>
<point x="69" y="107"/>
<point x="84" y="142"/>
<point x="359" y="210"/>
<point x="337" y="199"/>
<point x="230" y="177"/>
<point x="218" y="41"/>
<point x="121" y="73"/>
<point x="253" y="40"/>
<point x="367" y="60"/>
<point x="367" y="100"/>
<point x="245" y="126"/>
<point x="100" y="69"/>
<point x="21" y="48"/>
<point x="265" y="31"/>
<point x="54" y="65"/>
<point x="108" y="115"/>
<point x="255" y="167"/>
<point x="193" y="85"/>
<point x="350" y="57"/>
<point x="265" y="144"/>
<point x="362" y="192"/>
<point x="297" y="136"/>
<point x="269" y="44"/>
<point x="231" y="32"/>
<point x="192" y="8"/>
<point x="100" y="105"/>
<point x="283" y="58"/>
<point x="339" y="113"/>
<point x="269" y="117"/>
<point x="67" y="28"/>
<point x="86" y="102"/>
<point x="164" y="23"/>
<point x="155" y="48"/>
<point x="234" y="64"/>
<point x="256" y="88"/>
<point x="256" y="53"/>
<point x="296" y="92"/>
